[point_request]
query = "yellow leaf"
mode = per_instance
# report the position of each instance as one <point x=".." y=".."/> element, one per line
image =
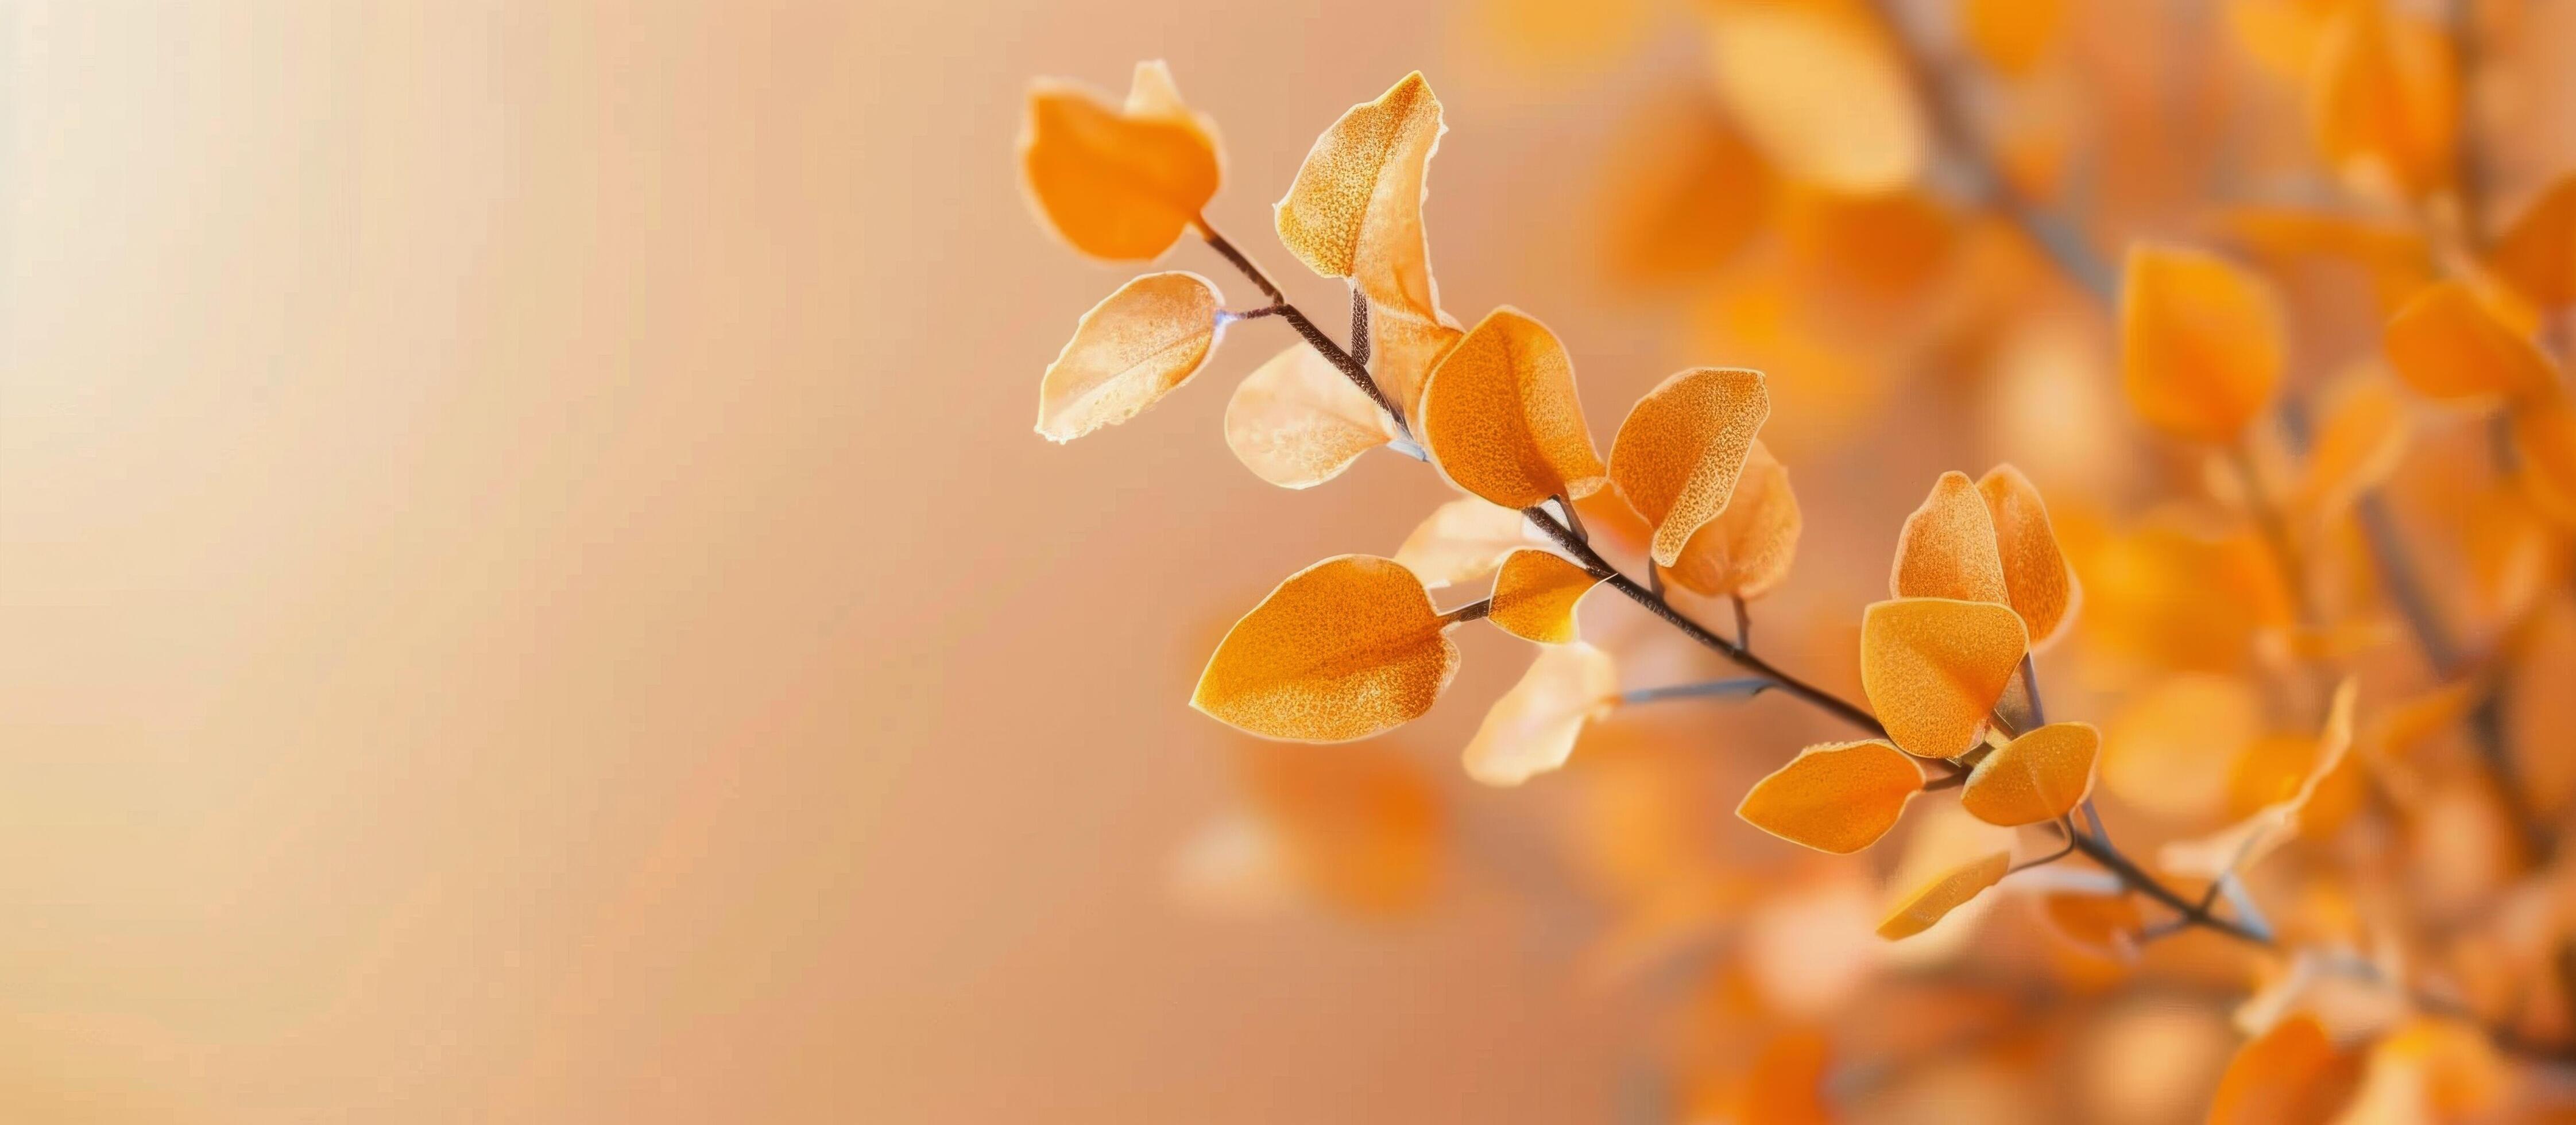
<point x="1532" y="728"/>
<point x="2383" y="98"/>
<point x="2245" y="843"/>
<point x="1297" y="421"/>
<point x="1821" y="89"/>
<point x="1355" y="211"/>
<point x="2012" y="34"/>
<point x="1464" y="540"/>
<point x="2544" y="433"/>
<point x="2361" y="432"/>
<point x="1342" y="650"/>
<point x="1682" y="447"/>
<point x="1837" y="797"/>
<point x="1747" y="549"/>
<point x="1501" y="418"/>
<point x="1120" y="184"/>
<point x="1130" y="350"/>
<point x="2036" y="777"/>
<point x="1535" y="594"/>
<point x="2448" y="343"/>
<point x="1933" y="667"/>
<point x="1947" y="548"/>
<point x="2042" y="586"/>
<point x="2290" y="1075"/>
<point x="2201" y="342"/>
<point x="2538" y="252"/>
<point x="1917" y="910"/>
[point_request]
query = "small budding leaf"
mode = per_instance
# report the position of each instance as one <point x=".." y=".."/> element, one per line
<point x="1933" y="667"/>
<point x="2037" y="777"/>
<point x="2538" y="252"/>
<point x="1748" y="548"/>
<point x="2201" y="342"/>
<point x="1355" y="211"/>
<point x="1918" y="909"/>
<point x="1118" y="183"/>
<point x="2036" y="575"/>
<point x="1947" y="548"/>
<point x="1343" y="649"/>
<point x="1297" y="421"/>
<point x="1531" y="730"/>
<point x="1682" y="448"/>
<point x="1821" y="90"/>
<point x="1464" y="540"/>
<point x="1535" y="594"/>
<point x="2245" y="843"/>
<point x="1838" y="797"/>
<point x="1501" y="418"/>
<point x="2384" y="99"/>
<point x="1137" y="345"/>
<point x="2449" y="343"/>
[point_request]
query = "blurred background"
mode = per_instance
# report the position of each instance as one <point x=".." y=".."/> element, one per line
<point x="532" y="594"/>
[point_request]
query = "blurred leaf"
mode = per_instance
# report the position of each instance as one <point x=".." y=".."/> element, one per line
<point x="2290" y="1075"/>
<point x="2383" y="98"/>
<point x="2169" y="747"/>
<point x="1137" y="345"/>
<point x="2037" y="777"/>
<point x="2538" y="252"/>
<point x="1821" y="89"/>
<point x="2544" y="433"/>
<point x="1532" y="728"/>
<point x="1682" y="194"/>
<point x="1837" y="797"/>
<point x="1343" y="649"/>
<point x="2360" y="436"/>
<point x="2201" y="342"/>
<point x="1501" y="418"/>
<point x="1933" y="667"/>
<point x="2245" y="843"/>
<point x="1119" y="184"/>
<point x="1682" y="447"/>
<point x="2011" y="35"/>
<point x="1464" y="540"/>
<point x="1748" y="548"/>
<point x="2449" y="343"/>
<point x="1297" y="421"/>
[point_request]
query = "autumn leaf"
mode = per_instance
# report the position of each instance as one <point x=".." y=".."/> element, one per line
<point x="1137" y="345"/>
<point x="1837" y="797"/>
<point x="1821" y="89"/>
<point x="1929" y="902"/>
<point x="1747" y="549"/>
<point x="2012" y="34"/>
<point x="2537" y="253"/>
<point x="1532" y="729"/>
<point x="2544" y="433"/>
<point x="2201" y="342"/>
<point x="1297" y="421"/>
<point x="1535" y="594"/>
<point x="1355" y="211"/>
<point x="2383" y="98"/>
<point x="2245" y="843"/>
<point x="2037" y="777"/>
<point x="1947" y="547"/>
<point x="2290" y="1075"/>
<point x="1684" y="192"/>
<point x="2167" y="750"/>
<point x="1119" y="183"/>
<point x="2038" y="581"/>
<point x="1682" y="447"/>
<point x="1933" y="667"/>
<point x="2361" y="431"/>
<point x="1501" y="418"/>
<point x="1343" y="649"/>
<point x="1464" y="540"/>
<point x="2448" y="343"/>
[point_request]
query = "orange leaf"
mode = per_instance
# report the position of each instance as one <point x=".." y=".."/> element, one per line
<point x="2201" y="342"/>
<point x="2036" y="777"/>
<point x="1137" y="345"/>
<point x="1464" y="540"/>
<point x="1501" y="418"/>
<point x="1532" y="728"/>
<point x="1535" y="594"/>
<point x="2011" y="34"/>
<point x="1684" y="191"/>
<point x="2544" y="433"/>
<point x="1933" y="667"/>
<point x="2245" y="843"/>
<point x="1297" y="421"/>
<point x="1355" y="211"/>
<point x="1119" y="184"/>
<point x="1682" y="447"/>
<point x="2168" y="748"/>
<point x="1343" y="649"/>
<point x="1917" y="910"/>
<point x="2041" y="585"/>
<point x="2104" y="924"/>
<point x="1747" y="549"/>
<point x="1947" y="548"/>
<point x="1821" y="90"/>
<point x="2383" y="98"/>
<point x="2538" y="252"/>
<point x="2290" y="1075"/>
<point x="2361" y="432"/>
<point x="2449" y="343"/>
<point x="1836" y="797"/>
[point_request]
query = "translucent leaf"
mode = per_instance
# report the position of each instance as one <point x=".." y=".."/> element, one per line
<point x="2538" y="252"/>
<point x="1297" y="421"/>
<point x="2448" y="343"/>
<point x="2201" y="342"/>
<point x="1821" y="90"/>
<point x="2037" y="777"/>
<point x="2012" y="34"/>
<point x="2246" y="842"/>
<point x="1532" y="728"/>
<point x="2384" y="100"/>
<point x="1933" y="667"/>
<point x="2360" y="435"/>
<point x="1682" y="447"/>
<point x="1947" y="547"/>
<point x="1355" y="211"/>
<point x="1535" y="594"/>
<point x="1130" y="350"/>
<point x="1464" y="540"/>
<point x="2544" y="433"/>
<point x="1501" y="417"/>
<point x="1931" y="901"/>
<point x="2041" y="584"/>
<point x="1837" y="797"/>
<point x="1343" y="649"/>
<point x="1117" y="183"/>
<point x="2290" y="1075"/>
<point x="1747" y="549"/>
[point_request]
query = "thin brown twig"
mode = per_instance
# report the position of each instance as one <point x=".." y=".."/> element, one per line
<point x="1352" y="367"/>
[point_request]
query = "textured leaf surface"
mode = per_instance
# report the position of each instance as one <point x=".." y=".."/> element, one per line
<point x="1838" y="797"/>
<point x="1933" y="667"/>
<point x="1532" y="729"/>
<point x="1749" y="547"/>
<point x="1343" y="649"/>
<point x="2036" y="575"/>
<point x="1679" y="453"/>
<point x="1297" y="421"/>
<point x="1130" y="350"/>
<point x="1928" y="903"/>
<point x="2201" y="342"/>
<point x="1501" y="417"/>
<point x="1535" y="594"/>
<point x="1947" y="547"/>
<point x="2037" y="777"/>
<point x="1119" y="183"/>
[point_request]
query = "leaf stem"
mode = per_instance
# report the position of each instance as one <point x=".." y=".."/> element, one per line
<point x="1355" y="368"/>
<point x="1744" y="687"/>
